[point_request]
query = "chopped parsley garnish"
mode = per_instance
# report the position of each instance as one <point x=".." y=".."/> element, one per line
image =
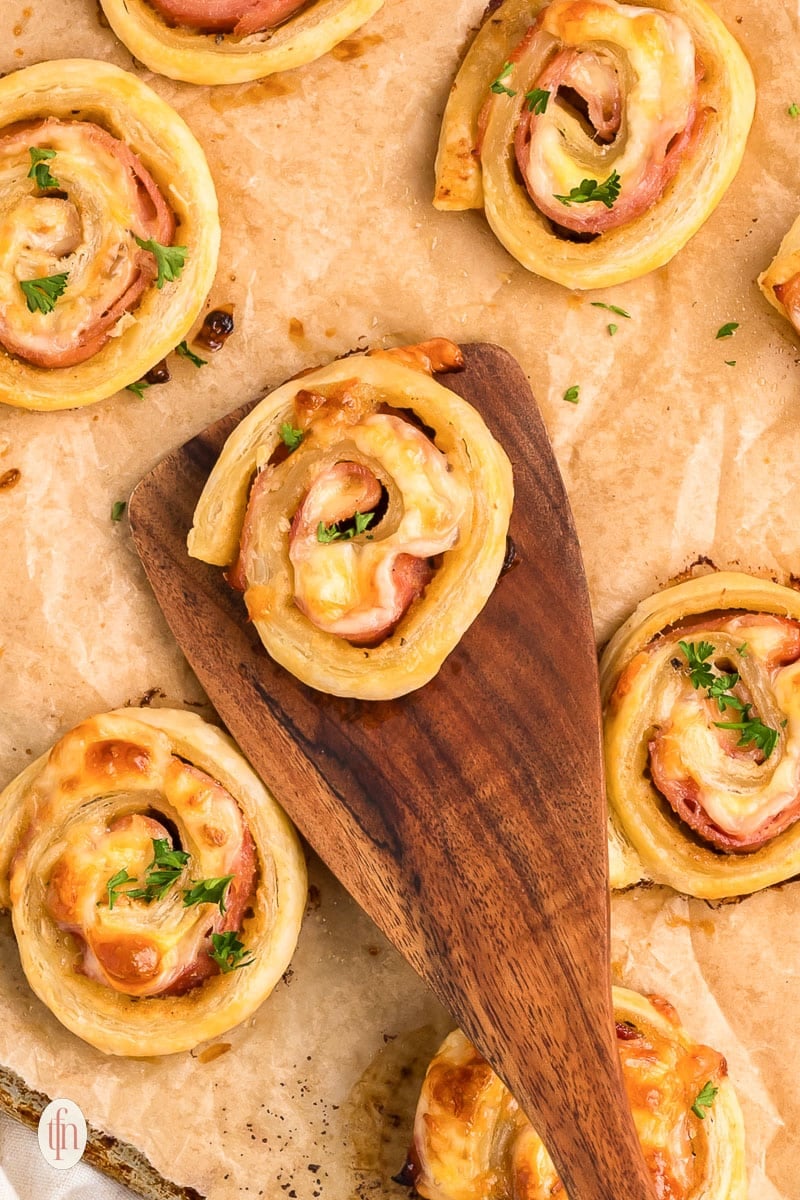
<point x="620" y="312"/>
<point x="229" y="953"/>
<point x="183" y="349"/>
<point x="753" y="731"/>
<point x="572" y="394"/>
<point x="115" y="883"/>
<point x="497" y="86"/>
<point x="290" y="436"/>
<point x="118" y="510"/>
<point x="700" y="671"/>
<point x="742" y="649"/>
<point x="537" y="100"/>
<point x="332" y="533"/>
<point x="793" y="110"/>
<point x="170" y="260"/>
<point x="161" y="873"/>
<point x="730" y="362"/>
<point x="138" y="388"/>
<point x="208" y="891"/>
<point x="41" y="294"/>
<point x="612" y="329"/>
<point x="726" y="331"/>
<point x="589" y="190"/>
<point x="40" y="172"/>
<point x="704" y="1100"/>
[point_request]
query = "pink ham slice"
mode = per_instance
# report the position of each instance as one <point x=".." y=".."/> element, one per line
<point x="240" y="17"/>
<point x="152" y="219"/>
<point x="685" y="794"/>
<point x="594" y="79"/>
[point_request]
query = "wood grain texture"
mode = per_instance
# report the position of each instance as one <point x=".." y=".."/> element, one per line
<point x="467" y="818"/>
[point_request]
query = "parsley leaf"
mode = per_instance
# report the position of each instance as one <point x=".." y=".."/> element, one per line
<point x="537" y="100"/>
<point x="573" y="394"/>
<point x="290" y="436"/>
<point x="332" y="533"/>
<point x="730" y="362"/>
<point x="753" y="732"/>
<point x="589" y="190"/>
<point x="208" y="891"/>
<point x="742" y="649"/>
<point x="229" y="953"/>
<point x="170" y="260"/>
<point x="118" y="510"/>
<point x="41" y="294"/>
<point x="699" y="670"/>
<point x="161" y="873"/>
<point x="620" y="312"/>
<point x="40" y="172"/>
<point x="116" y="882"/>
<point x="183" y="349"/>
<point x="612" y="329"/>
<point x="498" y="87"/>
<point x="726" y="331"/>
<point x="138" y="388"/>
<point x="704" y="1100"/>
<point x="793" y="110"/>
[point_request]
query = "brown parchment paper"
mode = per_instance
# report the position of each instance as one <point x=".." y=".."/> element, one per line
<point x="329" y="242"/>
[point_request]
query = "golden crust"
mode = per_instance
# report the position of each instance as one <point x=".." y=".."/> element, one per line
<point x="668" y="851"/>
<point x="134" y="114"/>
<point x="110" y="766"/>
<point x="434" y="624"/>
<point x="489" y="181"/>
<point x="471" y="1142"/>
<point x="182" y="53"/>
<point x="784" y="266"/>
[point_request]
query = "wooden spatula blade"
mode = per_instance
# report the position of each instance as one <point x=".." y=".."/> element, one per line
<point x="467" y="818"/>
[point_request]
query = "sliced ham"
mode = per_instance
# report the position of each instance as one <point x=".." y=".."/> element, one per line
<point x="81" y="324"/>
<point x="240" y="17"/>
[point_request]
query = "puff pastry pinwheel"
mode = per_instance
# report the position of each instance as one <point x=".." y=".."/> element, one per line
<point x="155" y="886"/>
<point x="109" y="232"/>
<point x="701" y="688"/>
<point x="362" y="509"/>
<point x="780" y="283"/>
<point x="231" y="41"/>
<point x="472" y="1142"/>
<point x="597" y="136"/>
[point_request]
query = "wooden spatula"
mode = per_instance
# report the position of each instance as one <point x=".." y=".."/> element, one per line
<point x="468" y="818"/>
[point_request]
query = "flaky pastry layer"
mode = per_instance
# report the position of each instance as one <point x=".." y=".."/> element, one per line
<point x="472" y="1142"/>
<point x="469" y="459"/>
<point x="60" y="853"/>
<point x="85" y="90"/>
<point x="477" y="166"/>
<point x="702" y="740"/>
<point x="182" y="53"/>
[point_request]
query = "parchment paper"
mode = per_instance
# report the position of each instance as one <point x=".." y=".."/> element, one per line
<point x="329" y="241"/>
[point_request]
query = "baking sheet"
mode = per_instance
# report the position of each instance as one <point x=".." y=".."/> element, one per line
<point x="329" y="242"/>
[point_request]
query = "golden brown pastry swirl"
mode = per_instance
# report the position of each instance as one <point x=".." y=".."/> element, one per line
<point x="108" y="232"/>
<point x="155" y="886"/>
<point x="598" y="136"/>
<point x="702" y="734"/>
<point x="374" y="528"/>
<point x="472" y="1142"/>
<point x="231" y="41"/>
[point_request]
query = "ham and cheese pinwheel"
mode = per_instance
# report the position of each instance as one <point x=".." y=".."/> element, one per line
<point x="156" y="887"/>
<point x="362" y="509"/>
<point x="701" y="688"/>
<point x="597" y="136"/>
<point x="780" y="283"/>
<point x="231" y="41"/>
<point x="472" y="1142"/>
<point x="108" y="232"/>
